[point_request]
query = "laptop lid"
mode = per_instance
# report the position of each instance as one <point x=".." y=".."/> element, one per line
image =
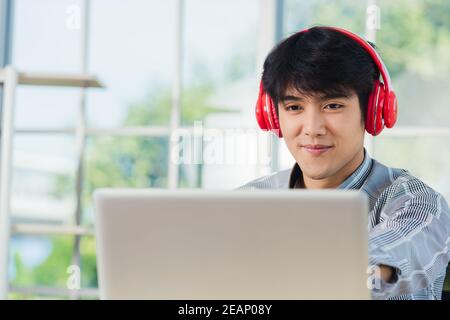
<point x="196" y="244"/>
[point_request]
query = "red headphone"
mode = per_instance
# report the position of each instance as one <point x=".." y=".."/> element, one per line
<point x="381" y="107"/>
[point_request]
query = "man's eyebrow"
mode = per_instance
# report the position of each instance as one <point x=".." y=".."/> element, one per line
<point x="335" y="95"/>
<point x="321" y="97"/>
<point x="291" y="98"/>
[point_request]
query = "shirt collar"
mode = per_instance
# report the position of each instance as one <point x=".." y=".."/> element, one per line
<point x="354" y="181"/>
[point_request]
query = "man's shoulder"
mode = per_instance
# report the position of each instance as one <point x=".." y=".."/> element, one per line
<point x="386" y="179"/>
<point x="405" y="188"/>
<point x="405" y="183"/>
<point x="277" y="180"/>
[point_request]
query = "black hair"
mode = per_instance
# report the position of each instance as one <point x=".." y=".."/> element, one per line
<point x="320" y="61"/>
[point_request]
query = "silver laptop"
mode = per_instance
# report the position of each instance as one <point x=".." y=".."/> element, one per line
<point x="291" y="244"/>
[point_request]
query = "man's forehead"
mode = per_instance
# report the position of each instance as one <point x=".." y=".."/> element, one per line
<point x="292" y="93"/>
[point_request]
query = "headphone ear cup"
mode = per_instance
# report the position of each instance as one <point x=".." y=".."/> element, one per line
<point x="259" y="109"/>
<point x="390" y="110"/>
<point x="274" y="124"/>
<point x="265" y="105"/>
<point x="265" y="112"/>
<point x="370" y="112"/>
<point x="379" y="104"/>
<point x="374" y="117"/>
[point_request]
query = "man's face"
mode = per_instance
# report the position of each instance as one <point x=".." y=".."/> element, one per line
<point x="325" y="135"/>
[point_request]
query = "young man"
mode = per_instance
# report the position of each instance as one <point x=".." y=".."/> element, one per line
<point x="321" y="82"/>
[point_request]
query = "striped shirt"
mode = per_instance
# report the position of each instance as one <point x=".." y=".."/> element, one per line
<point x="409" y="226"/>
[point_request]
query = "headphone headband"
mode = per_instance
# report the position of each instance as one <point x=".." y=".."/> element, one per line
<point x="370" y="50"/>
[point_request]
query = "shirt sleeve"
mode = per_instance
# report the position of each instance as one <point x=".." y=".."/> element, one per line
<point x="413" y="237"/>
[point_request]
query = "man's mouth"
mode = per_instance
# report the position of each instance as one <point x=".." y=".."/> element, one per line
<point x="317" y="149"/>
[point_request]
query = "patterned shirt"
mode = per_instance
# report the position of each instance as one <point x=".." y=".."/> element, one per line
<point x="409" y="226"/>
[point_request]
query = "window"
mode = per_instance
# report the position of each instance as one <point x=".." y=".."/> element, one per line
<point x="122" y="133"/>
<point x="415" y="54"/>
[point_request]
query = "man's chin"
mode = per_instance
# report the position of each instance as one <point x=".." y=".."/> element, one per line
<point x="316" y="175"/>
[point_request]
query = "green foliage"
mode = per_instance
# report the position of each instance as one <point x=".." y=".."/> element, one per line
<point x="63" y="185"/>
<point x="126" y="162"/>
<point x="88" y="263"/>
<point x="346" y="14"/>
<point x="414" y="35"/>
<point x="406" y="34"/>
<point x="52" y="272"/>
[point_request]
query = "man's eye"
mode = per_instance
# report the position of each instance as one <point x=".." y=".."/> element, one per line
<point x="334" y="106"/>
<point x="293" y="108"/>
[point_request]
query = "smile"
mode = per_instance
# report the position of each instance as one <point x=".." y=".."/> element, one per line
<point x="317" y="150"/>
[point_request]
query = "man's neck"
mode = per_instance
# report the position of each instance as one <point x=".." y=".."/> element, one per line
<point x="336" y="180"/>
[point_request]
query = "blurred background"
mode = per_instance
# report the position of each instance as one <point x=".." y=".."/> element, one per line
<point x="166" y="65"/>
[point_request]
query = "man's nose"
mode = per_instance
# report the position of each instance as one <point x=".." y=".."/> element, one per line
<point x="314" y="123"/>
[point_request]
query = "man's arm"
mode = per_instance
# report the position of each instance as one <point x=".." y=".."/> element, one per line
<point x="411" y="243"/>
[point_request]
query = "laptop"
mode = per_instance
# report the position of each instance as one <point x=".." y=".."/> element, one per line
<point x="197" y="244"/>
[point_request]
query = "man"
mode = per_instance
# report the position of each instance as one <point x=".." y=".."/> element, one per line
<point x="321" y="82"/>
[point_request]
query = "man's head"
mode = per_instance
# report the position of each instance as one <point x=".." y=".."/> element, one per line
<point x="320" y="82"/>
